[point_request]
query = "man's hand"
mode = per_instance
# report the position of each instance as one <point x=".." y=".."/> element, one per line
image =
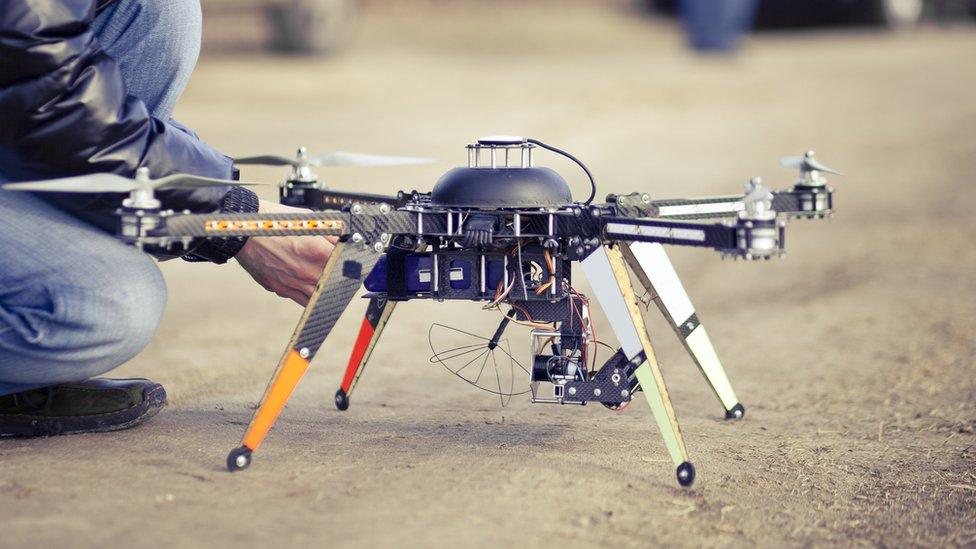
<point x="289" y="266"/>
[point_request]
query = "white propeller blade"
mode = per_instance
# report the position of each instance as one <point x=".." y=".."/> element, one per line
<point x="93" y="183"/>
<point x="268" y="160"/>
<point x="340" y="158"/>
<point x="336" y="158"/>
<point x="806" y="163"/>
<point x="111" y="183"/>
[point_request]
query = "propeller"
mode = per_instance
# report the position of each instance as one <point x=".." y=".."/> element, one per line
<point x="806" y="164"/>
<point x="758" y="200"/>
<point x="336" y="158"/>
<point x="111" y="183"/>
<point x="141" y="189"/>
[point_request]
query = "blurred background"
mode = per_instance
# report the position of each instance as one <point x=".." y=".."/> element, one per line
<point x="853" y="354"/>
<point x="326" y="26"/>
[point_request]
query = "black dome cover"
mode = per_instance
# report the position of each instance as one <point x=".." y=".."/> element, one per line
<point x="501" y="188"/>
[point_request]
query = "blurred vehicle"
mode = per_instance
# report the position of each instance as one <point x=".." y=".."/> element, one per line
<point x="302" y="26"/>
<point x="796" y="13"/>
<point x="887" y="13"/>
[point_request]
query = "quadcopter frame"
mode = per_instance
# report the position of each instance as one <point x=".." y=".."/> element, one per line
<point x="632" y="238"/>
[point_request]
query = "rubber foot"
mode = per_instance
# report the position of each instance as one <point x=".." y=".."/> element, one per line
<point x="341" y="400"/>
<point x="737" y="412"/>
<point x="685" y="474"/>
<point x="238" y="459"/>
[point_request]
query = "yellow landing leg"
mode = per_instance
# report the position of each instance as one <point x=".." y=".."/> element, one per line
<point x="607" y="273"/>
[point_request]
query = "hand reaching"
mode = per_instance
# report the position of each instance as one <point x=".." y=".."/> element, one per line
<point x="289" y="266"/>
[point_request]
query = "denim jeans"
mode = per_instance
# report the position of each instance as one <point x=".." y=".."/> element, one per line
<point x="75" y="302"/>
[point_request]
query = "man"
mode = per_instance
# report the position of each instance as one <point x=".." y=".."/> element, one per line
<point x="89" y="86"/>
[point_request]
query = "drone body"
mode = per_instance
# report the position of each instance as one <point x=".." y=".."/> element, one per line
<point x="502" y="232"/>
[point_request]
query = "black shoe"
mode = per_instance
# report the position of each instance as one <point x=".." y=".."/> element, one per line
<point x="91" y="406"/>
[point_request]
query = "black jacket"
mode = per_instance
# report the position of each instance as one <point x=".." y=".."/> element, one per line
<point x="64" y="111"/>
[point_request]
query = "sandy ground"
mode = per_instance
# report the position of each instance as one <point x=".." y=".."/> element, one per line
<point x="854" y="354"/>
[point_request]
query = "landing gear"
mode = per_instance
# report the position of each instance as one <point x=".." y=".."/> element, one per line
<point x="332" y="295"/>
<point x="238" y="459"/>
<point x="377" y="315"/>
<point x="737" y="412"/>
<point x="606" y="270"/>
<point x="686" y="474"/>
<point x="341" y="400"/>
<point x="656" y="274"/>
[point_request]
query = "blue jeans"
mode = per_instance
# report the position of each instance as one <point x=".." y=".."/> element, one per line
<point x="75" y="302"/>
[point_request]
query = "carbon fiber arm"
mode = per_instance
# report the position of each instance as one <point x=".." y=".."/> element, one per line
<point x="793" y="202"/>
<point x="368" y="221"/>
<point x="707" y="235"/>
<point x="718" y="207"/>
<point x="322" y="199"/>
<point x="254" y="224"/>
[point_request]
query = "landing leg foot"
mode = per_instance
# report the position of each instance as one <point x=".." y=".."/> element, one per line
<point x="737" y="412"/>
<point x="341" y="400"/>
<point x="238" y="459"/>
<point x="686" y="474"/>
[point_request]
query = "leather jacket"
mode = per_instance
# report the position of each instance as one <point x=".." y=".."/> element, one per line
<point x="64" y="111"/>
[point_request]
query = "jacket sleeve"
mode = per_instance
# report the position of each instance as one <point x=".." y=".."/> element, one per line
<point x="64" y="110"/>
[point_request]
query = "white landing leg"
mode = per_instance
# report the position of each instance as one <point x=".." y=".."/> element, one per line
<point x="654" y="271"/>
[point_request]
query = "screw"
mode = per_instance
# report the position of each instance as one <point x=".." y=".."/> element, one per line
<point x="378" y="246"/>
<point x="572" y="390"/>
<point x="241" y="461"/>
<point x="646" y="198"/>
<point x="625" y="393"/>
<point x="385" y="237"/>
<point x="384" y="208"/>
<point x="357" y="209"/>
<point x="356" y="237"/>
<point x="596" y="392"/>
<point x="304" y="352"/>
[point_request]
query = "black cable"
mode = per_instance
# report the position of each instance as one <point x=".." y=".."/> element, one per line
<point x="574" y="159"/>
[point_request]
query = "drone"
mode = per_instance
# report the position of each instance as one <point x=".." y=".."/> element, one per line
<point x="505" y="234"/>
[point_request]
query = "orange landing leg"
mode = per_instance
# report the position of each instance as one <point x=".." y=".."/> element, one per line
<point x="341" y="279"/>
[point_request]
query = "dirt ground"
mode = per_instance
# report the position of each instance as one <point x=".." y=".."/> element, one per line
<point x="854" y="354"/>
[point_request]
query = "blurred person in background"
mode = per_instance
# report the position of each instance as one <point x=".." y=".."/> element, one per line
<point x="89" y="86"/>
